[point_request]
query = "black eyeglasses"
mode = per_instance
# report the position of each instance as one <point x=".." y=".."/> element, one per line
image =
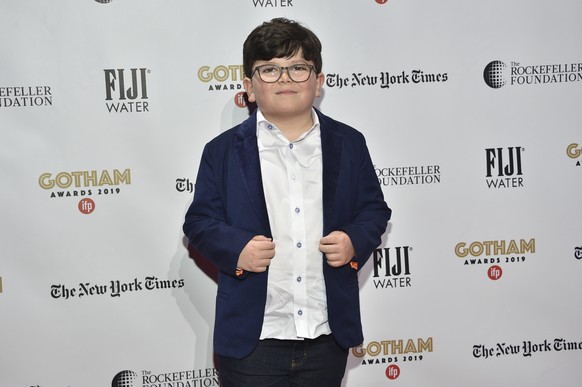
<point x="271" y="73"/>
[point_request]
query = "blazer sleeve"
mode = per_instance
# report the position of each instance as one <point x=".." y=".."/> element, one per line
<point x="371" y="214"/>
<point x="205" y="222"/>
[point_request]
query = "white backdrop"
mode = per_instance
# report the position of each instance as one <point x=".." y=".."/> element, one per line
<point x="476" y="282"/>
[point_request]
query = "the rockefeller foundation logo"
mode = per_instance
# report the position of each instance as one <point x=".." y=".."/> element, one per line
<point x="498" y="73"/>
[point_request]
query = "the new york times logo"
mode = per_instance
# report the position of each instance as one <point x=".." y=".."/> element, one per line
<point x="527" y="348"/>
<point x="184" y="185"/>
<point x="385" y="79"/>
<point x="392" y="267"/>
<point x="504" y="167"/>
<point x="127" y="90"/>
<point x="115" y="288"/>
<point x="577" y="255"/>
<point x="497" y="74"/>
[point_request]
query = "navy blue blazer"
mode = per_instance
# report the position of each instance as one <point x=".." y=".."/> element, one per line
<point x="229" y="209"/>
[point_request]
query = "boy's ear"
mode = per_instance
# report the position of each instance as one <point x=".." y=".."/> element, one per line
<point x="319" y="85"/>
<point x="248" y="85"/>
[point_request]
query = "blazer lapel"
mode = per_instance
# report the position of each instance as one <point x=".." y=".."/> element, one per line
<point x="247" y="154"/>
<point x="331" y="150"/>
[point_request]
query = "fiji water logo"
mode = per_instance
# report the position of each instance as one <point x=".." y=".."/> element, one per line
<point x="126" y="90"/>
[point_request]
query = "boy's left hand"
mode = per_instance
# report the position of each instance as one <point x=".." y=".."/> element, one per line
<point x="337" y="247"/>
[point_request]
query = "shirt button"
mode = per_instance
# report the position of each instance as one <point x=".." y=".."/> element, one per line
<point x="270" y="127"/>
<point x="299" y="244"/>
<point x="293" y="176"/>
<point x="300" y="312"/>
<point x="297" y="210"/>
<point x="298" y="279"/>
<point x="290" y="146"/>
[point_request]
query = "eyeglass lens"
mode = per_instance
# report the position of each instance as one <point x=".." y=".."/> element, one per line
<point x="272" y="73"/>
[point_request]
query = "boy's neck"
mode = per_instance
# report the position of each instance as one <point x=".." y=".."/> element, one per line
<point x="292" y="127"/>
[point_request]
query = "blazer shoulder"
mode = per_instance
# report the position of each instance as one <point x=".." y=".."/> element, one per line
<point x="340" y="128"/>
<point x="222" y="139"/>
<point x="245" y="129"/>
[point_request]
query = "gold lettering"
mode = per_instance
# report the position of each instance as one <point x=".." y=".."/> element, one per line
<point x="495" y="248"/>
<point x="573" y="151"/>
<point x="512" y="249"/>
<point x="461" y="250"/>
<point x="374" y="348"/>
<point x="425" y="345"/>
<point x="90" y="178"/>
<point x="45" y="181"/>
<point x="120" y="177"/>
<point x="203" y="74"/>
<point x="396" y="346"/>
<point x="393" y="347"/>
<point x="358" y="351"/>
<point x="528" y="247"/>
<point x="221" y="73"/>
<point x="105" y="179"/>
<point x="64" y="180"/>
<point x="410" y="347"/>
<point x="84" y="179"/>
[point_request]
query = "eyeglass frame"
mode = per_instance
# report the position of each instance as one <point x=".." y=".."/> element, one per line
<point x="282" y="69"/>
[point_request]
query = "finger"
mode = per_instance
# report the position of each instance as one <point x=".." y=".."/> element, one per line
<point x="326" y="240"/>
<point x="334" y="262"/>
<point x="265" y="255"/>
<point x="334" y="235"/>
<point x="261" y="238"/>
<point x="262" y="244"/>
<point x="331" y="257"/>
<point x="328" y="248"/>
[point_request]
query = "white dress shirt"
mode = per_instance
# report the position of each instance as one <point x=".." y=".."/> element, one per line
<point x="296" y="305"/>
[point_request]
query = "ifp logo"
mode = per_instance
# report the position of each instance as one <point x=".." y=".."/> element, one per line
<point x="86" y="206"/>
<point x="495" y="272"/>
<point x="240" y="99"/>
<point x="392" y="372"/>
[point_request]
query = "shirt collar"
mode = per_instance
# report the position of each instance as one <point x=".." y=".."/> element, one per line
<point x="264" y="124"/>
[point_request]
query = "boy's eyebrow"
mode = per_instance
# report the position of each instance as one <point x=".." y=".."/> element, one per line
<point x="296" y="61"/>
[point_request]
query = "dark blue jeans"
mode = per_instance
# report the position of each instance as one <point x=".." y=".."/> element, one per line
<point x="303" y="363"/>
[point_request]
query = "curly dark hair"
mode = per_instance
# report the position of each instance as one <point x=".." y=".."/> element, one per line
<point x="280" y="38"/>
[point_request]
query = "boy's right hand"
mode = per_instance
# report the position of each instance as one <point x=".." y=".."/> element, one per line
<point x="257" y="254"/>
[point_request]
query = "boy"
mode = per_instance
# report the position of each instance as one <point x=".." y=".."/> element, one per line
<point x="288" y="207"/>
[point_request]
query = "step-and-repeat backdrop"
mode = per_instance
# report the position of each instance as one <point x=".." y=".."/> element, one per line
<point x="473" y="120"/>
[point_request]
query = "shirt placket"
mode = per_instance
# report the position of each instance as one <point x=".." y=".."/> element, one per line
<point x="295" y="177"/>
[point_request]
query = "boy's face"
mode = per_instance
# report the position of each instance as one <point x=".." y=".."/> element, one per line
<point x="284" y="98"/>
